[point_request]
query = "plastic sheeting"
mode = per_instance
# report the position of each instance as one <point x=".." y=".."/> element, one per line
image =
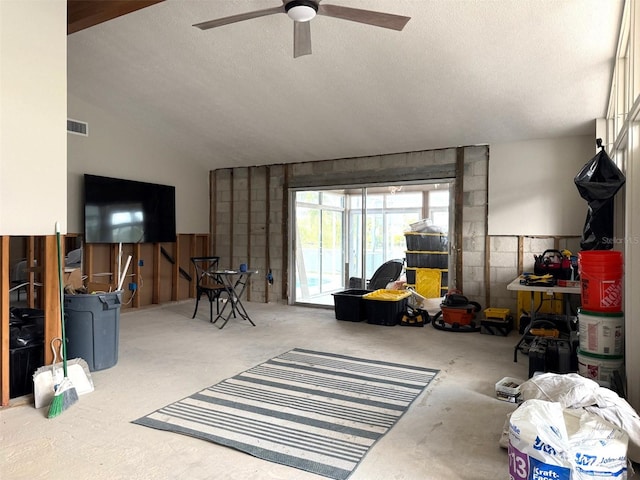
<point x="598" y="181"/>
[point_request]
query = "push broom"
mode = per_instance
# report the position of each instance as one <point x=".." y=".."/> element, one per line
<point x="65" y="393"/>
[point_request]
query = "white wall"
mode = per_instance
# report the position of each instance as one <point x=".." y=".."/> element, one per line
<point x="33" y="106"/>
<point x="117" y="149"/>
<point x="531" y="189"/>
<point x="632" y="262"/>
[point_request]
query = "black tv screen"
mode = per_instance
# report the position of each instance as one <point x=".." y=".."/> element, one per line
<point x="127" y="211"/>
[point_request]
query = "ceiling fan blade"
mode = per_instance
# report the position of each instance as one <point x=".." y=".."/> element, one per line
<point x="239" y="18"/>
<point x="301" y="39"/>
<point x="378" y="19"/>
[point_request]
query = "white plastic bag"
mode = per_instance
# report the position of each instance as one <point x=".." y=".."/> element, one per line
<point x="538" y="442"/>
<point x="574" y="391"/>
<point x="549" y="442"/>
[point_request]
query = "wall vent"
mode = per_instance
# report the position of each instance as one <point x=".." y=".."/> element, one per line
<point x="77" y="127"/>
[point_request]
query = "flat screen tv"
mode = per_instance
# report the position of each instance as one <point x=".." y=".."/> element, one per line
<point x="127" y="211"/>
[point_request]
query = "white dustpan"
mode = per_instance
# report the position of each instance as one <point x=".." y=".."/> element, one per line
<point x="46" y="378"/>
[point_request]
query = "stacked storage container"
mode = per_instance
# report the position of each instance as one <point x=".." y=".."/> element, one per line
<point x="600" y="317"/>
<point x="385" y="307"/>
<point x="427" y="258"/>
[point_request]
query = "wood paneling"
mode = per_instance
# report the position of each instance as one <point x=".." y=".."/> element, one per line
<point x="83" y="14"/>
<point x="51" y="294"/>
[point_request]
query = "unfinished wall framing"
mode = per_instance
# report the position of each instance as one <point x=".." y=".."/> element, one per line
<point x="509" y="256"/>
<point x="162" y="273"/>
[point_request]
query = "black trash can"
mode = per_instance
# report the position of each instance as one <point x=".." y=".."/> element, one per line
<point x="23" y="362"/>
<point x="92" y="328"/>
<point x="26" y="349"/>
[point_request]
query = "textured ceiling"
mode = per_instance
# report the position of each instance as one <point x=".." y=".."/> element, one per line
<point x="462" y="72"/>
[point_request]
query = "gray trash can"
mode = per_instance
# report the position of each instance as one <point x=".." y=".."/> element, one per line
<point x="92" y="328"/>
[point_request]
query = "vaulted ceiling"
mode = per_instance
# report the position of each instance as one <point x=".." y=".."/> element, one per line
<point x="462" y="72"/>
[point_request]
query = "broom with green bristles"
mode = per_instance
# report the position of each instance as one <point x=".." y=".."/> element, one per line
<point x="65" y="393"/>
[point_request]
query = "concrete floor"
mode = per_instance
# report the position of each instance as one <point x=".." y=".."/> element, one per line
<point x="450" y="432"/>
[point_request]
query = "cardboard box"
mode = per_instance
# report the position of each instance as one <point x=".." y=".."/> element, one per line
<point x="96" y="287"/>
<point x="72" y="277"/>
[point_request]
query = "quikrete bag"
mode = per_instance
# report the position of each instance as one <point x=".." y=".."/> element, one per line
<point x="553" y="262"/>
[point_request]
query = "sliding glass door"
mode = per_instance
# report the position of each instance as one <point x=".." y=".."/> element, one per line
<point x="341" y="236"/>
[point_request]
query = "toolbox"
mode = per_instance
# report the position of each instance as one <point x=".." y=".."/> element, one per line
<point x="537" y="356"/>
<point x="497" y="321"/>
<point x="550" y="355"/>
<point x="558" y="356"/>
<point x="492" y="326"/>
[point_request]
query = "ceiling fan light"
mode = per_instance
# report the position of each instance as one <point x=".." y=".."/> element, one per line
<point x="301" y="11"/>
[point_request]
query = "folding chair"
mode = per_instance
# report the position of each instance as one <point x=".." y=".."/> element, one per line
<point x="386" y="273"/>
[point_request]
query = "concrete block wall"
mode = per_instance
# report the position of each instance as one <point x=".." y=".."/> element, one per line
<point x="503" y="261"/>
<point x="506" y="264"/>
<point x="474" y="223"/>
<point x="247" y="226"/>
<point x="250" y="216"/>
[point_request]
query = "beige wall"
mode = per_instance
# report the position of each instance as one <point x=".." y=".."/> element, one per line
<point x="121" y="150"/>
<point x="531" y="189"/>
<point x="33" y="107"/>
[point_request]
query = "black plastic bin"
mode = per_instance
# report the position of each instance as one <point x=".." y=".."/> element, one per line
<point x="349" y="305"/>
<point x="385" y="307"/>
<point x="438" y="242"/>
<point x="26" y="349"/>
<point x="92" y="327"/>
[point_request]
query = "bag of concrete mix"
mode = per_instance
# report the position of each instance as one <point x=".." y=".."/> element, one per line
<point x="549" y="442"/>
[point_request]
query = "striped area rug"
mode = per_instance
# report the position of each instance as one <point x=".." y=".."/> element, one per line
<point x="315" y="411"/>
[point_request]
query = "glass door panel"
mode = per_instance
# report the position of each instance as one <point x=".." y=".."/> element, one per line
<point x="319" y="255"/>
<point x="308" y="253"/>
<point x="332" y="267"/>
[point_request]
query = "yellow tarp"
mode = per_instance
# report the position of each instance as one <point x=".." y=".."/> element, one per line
<point x="429" y="282"/>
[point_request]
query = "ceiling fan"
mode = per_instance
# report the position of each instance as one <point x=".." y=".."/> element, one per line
<point x="302" y="11"/>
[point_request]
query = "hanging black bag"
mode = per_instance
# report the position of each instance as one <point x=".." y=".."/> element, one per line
<point x="597" y="182"/>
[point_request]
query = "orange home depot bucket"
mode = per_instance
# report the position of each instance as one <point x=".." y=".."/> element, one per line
<point x="601" y="273"/>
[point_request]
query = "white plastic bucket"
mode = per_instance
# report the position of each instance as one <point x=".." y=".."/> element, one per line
<point x="601" y="333"/>
<point x="597" y="367"/>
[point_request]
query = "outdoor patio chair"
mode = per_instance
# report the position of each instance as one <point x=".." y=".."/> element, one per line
<point x="386" y="273"/>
